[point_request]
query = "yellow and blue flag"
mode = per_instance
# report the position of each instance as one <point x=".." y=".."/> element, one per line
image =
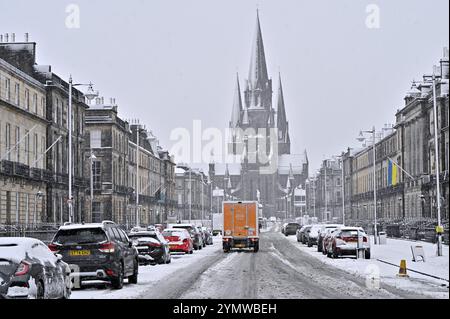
<point x="392" y="173"/>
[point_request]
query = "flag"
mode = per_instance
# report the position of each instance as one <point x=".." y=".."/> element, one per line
<point x="392" y="173"/>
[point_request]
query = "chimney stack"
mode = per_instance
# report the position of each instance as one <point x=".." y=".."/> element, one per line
<point x="6" y="37"/>
<point x="26" y="37"/>
<point x="1" y="38"/>
<point x="13" y="37"/>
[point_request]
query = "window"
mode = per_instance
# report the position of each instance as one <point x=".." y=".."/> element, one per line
<point x="34" y="104"/>
<point x="42" y="106"/>
<point x="27" y="148"/>
<point x="27" y="99"/>
<point x="96" y="139"/>
<point x="8" y="139"/>
<point x="7" y="89"/>
<point x="96" y="174"/>
<point x="17" y="94"/>
<point x="35" y="147"/>
<point x="17" y="144"/>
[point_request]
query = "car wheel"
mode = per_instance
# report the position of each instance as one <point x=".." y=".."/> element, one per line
<point x="328" y="254"/>
<point x="335" y="255"/>
<point x="133" y="279"/>
<point x="200" y="247"/>
<point x="367" y="254"/>
<point x="309" y="244"/>
<point x="40" y="290"/>
<point x="319" y="248"/>
<point x="191" y="252"/>
<point x="298" y="240"/>
<point x="117" y="282"/>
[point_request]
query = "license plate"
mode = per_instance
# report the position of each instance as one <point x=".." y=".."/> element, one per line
<point x="239" y="245"/>
<point x="79" y="252"/>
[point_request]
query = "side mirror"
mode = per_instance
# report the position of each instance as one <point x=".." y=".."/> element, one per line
<point x="58" y="257"/>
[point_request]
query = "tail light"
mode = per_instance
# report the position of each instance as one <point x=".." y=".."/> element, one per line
<point x="23" y="268"/>
<point x="107" y="247"/>
<point x="365" y="239"/>
<point x="53" y="248"/>
<point x="185" y="240"/>
<point x="254" y="239"/>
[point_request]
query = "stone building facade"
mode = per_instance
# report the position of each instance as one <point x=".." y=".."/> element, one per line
<point x="194" y="204"/>
<point x="23" y="127"/>
<point x="405" y="162"/>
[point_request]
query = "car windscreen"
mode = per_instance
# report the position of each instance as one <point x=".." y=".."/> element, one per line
<point x="350" y="233"/>
<point x="6" y="269"/>
<point x="80" y="236"/>
<point x="168" y="233"/>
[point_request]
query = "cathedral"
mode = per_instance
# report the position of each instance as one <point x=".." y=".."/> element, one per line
<point x="266" y="170"/>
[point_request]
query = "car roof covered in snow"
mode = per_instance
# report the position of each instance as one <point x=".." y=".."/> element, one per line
<point x="351" y="228"/>
<point x="17" y="248"/>
<point x="81" y="226"/>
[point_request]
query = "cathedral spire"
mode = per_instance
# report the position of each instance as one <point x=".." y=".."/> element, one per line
<point x="258" y="76"/>
<point x="281" y="111"/>
<point x="237" y="105"/>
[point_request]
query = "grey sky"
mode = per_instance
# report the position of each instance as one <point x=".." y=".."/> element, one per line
<point x="169" y="62"/>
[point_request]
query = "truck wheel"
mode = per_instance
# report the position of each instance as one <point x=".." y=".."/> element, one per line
<point x="256" y="248"/>
<point x="367" y="254"/>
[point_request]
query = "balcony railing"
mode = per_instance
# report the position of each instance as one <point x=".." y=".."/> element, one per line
<point x="7" y="167"/>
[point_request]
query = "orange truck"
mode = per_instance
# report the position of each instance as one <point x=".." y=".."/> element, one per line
<point x="240" y="225"/>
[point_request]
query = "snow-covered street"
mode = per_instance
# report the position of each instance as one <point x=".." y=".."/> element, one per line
<point x="283" y="268"/>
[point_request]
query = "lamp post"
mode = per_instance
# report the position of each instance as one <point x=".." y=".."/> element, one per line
<point x="37" y="196"/>
<point x="89" y="95"/>
<point x="361" y="138"/>
<point x="92" y="157"/>
<point x="437" y="170"/>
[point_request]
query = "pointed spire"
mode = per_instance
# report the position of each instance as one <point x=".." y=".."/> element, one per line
<point x="281" y="111"/>
<point x="258" y="69"/>
<point x="237" y="105"/>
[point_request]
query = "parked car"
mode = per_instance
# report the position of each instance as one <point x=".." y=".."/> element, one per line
<point x="179" y="240"/>
<point x="344" y="242"/>
<point x="208" y="235"/>
<point x="291" y="228"/>
<point x="202" y="233"/>
<point x="152" y="247"/>
<point x="194" y="233"/>
<point x="98" y="251"/>
<point x="322" y="232"/>
<point x="312" y="234"/>
<point x="301" y="233"/>
<point x="326" y="239"/>
<point x="28" y="269"/>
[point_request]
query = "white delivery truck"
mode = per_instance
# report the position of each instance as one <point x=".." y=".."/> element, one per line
<point x="217" y="224"/>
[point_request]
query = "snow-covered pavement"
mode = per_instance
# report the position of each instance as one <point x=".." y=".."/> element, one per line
<point x="393" y="252"/>
<point x="149" y="276"/>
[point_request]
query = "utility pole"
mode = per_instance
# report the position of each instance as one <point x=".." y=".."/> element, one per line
<point x="375" y="189"/>
<point x="137" y="176"/>
<point x="436" y="158"/>
<point x="343" y="190"/>
<point x="325" y="192"/>
<point x="69" y="201"/>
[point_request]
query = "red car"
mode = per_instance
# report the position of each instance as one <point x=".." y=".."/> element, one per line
<point x="179" y="240"/>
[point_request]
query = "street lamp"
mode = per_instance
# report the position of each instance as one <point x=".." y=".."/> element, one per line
<point x="37" y="196"/>
<point x="92" y="157"/>
<point x="437" y="170"/>
<point x="361" y="138"/>
<point x="90" y="95"/>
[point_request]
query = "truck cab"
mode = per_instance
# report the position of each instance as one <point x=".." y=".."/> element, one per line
<point x="240" y="225"/>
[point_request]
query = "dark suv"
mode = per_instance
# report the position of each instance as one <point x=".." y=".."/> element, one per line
<point x="100" y="251"/>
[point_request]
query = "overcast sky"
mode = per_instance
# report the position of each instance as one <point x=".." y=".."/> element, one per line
<point x="168" y="62"/>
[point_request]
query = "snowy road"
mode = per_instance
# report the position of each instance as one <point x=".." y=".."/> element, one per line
<point x="278" y="270"/>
